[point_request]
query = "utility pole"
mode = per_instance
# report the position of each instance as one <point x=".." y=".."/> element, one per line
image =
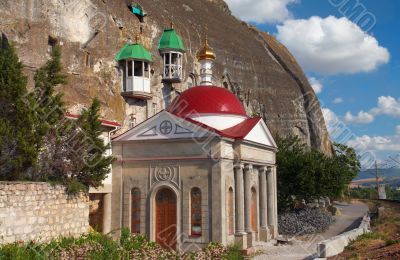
<point x="376" y="176"/>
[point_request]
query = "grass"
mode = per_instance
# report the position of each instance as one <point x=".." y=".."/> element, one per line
<point x="97" y="246"/>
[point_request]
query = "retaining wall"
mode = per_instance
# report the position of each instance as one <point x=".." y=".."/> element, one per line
<point x="40" y="211"/>
<point x="336" y="245"/>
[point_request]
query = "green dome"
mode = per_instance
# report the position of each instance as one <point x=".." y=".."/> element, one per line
<point x="171" y="41"/>
<point x="133" y="51"/>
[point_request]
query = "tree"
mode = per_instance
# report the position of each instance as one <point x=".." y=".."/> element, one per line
<point x="50" y="113"/>
<point x="18" y="136"/>
<point x="95" y="164"/>
<point x="309" y="174"/>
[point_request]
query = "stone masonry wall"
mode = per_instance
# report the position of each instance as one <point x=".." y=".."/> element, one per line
<point x="40" y="211"/>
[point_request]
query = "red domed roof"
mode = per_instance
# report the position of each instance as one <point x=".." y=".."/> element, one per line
<point x="206" y="100"/>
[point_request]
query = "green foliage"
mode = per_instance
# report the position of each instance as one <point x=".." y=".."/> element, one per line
<point x="233" y="252"/>
<point x="18" y="136"/>
<point x="364" y="193"/>
<point x="95" y="165"/>
<point x="97" y="246"/>
<point x="37" y="142"/>
<point x="308" y="174"/>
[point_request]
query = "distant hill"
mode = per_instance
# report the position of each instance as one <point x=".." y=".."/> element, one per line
<point x="383" y="173"/>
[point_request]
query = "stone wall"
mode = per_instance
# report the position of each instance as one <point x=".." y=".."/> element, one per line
<point x="40" y="211"/>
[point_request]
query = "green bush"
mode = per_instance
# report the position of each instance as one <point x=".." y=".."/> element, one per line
<point x="305" y="173"/>
<point x="97" y="246"/>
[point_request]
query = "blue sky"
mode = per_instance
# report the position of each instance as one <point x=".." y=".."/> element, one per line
<point x="352" y="60"/>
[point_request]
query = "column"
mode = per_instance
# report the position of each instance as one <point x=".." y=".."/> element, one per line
<point x="276" y="202"/>
<point x="247" y="197"/>
<point x="270" y="198"/>
<point x="106" y="213"/>
<point x="263" y="197"/>
<point x="239" y="200"/>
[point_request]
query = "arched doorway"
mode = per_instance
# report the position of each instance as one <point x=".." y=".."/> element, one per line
<point x="166" y="218"/>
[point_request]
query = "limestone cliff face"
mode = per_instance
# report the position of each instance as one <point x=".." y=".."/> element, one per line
<point x="252" y="64"/>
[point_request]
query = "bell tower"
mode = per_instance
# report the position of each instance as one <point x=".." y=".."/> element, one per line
<point x="206" y="57"/>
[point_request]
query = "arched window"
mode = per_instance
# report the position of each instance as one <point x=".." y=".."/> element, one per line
<point x="253" y="209"/>
<point x="230" y="214"/>
<point x="135" y="211"/>
<point x="195" y="201"/>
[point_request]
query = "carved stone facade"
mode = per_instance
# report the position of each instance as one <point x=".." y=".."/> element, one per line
<point x="197" y="184"/>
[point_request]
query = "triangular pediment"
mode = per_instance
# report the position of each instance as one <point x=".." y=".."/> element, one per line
<point x="261" y="134"/>
<point x="164" y="125"/>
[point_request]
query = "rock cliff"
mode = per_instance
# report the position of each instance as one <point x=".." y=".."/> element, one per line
<point x="252" y="64"/>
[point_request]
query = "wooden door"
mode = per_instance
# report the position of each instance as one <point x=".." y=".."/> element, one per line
<point x="166" y="218"/>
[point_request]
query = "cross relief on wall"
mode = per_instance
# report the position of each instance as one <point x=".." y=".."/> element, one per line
<point x="165" y="173"/>
<point x="165" y="128"/>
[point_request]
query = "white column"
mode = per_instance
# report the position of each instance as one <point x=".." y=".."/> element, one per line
<point x="247" y="197"/>
<point x="276" y="202"/>
<point x="263" y="197"/>
<point x="270" y="197"/>
<point x="239" y="200"/>
<point x="106" y="213"/>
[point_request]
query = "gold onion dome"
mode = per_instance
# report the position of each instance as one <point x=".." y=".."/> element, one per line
<point x="206" y="53"/>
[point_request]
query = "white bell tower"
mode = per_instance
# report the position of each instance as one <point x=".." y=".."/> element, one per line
<point x="206" y="57"/>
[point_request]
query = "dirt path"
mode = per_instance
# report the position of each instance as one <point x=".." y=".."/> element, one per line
<point x="305" y="247"/>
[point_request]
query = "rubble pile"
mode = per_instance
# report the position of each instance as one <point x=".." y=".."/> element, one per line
<point x="306" y="221"/>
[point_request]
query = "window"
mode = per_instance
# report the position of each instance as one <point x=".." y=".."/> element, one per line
<point x="87" y="59"/>
<point x="135" y="211"/>
<point x="167" y="58"/>
<point x="195" y="200"/>
<point x="154" y="107"/>
<point x="132" y="122"/>
<point x="129" y="68"/>
<point x="138" y="69"/>
<point x="191" y="80"/>
<point x="51" y="43"/>
<point x="230" y="214"/>
<point x="175" y="58"/>
<point x="146" y="70"/>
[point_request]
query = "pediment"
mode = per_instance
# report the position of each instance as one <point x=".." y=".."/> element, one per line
<point x="261" y="134"/>
<point x="164" y="125"/>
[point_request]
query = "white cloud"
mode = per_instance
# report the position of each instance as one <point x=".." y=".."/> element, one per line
<point x="371" y="148"/>
<point x="387" y="106"/>
<point x="361" y="118"/>
<point x="398" y="130"/>
<point x="261" y="11"/>
<point x="316" y="85"/>
<point x="332" y="45"/>
<point x="337" y="100"/>
<point x="375" y="143"/>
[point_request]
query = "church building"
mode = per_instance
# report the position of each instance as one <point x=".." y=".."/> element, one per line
<point x="199" y="171"/>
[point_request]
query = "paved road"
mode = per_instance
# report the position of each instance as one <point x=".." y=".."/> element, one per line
<point x="305" y="247"/>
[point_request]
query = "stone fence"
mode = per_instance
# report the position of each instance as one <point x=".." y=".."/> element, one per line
<point x="40" y="211"/>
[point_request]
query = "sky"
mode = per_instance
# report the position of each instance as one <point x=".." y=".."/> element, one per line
<point x="350" y="52"/>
